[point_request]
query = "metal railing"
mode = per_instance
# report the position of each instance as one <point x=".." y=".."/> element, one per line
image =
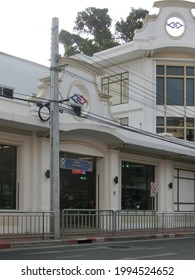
<point x="184" y="221"/>
<point x="92" y="221"/>
<point x="86" y="221"/>
<point x="134" y="221"/>
<point x="26" y="224"/>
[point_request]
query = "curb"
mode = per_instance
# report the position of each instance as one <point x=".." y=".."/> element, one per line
<point x="5" y="245"/>
<point x="87" y="240"/>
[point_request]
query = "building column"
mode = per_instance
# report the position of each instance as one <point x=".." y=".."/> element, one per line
<point x="113" y="179"/>
<point x="108" y="171"/>
<point x="165" y="188"/>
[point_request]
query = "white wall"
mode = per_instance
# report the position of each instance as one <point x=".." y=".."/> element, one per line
<point x="21" y="75"/>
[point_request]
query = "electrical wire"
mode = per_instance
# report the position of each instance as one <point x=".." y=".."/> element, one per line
<point x="110" y="122"/>
<point x="73" y="74"/>
<point x="137" y="100"/>
<point x="144" y="77"/>
<point x="107" y="121"/>
<point x="137" y="92"/>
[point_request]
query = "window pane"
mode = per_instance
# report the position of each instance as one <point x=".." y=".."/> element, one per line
<point x="7" y="177"/>
<point x="124" y="121"/>
<point x="160" y="70"/>
<point x="190" y="122"/>
<point x="125" y="92"/>
<point x="175" y="70"/>
<point x="124" y="76"/>
<point x="160" y="130"/>
<point x="160" y="121"/>
<point x="190" y="134"/>
<point x="186" y="193"/>
<point x="189" y="92"/>
<point x="8" y="92"/>
<point x="117" y="87"/>
<point x="105" y="81"/>
<point x="175" y="122"/>
<point x="160" y="91"/>
<point x="177" y="133"/>
<point x="105" y="89"/>
<point x="175" y="91"/>
<point x="115" y="93"/>
<point x="190" y="71"/>
<point x="114" y="79"/>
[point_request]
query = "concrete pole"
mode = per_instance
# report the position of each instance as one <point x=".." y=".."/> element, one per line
<point x="54" y="129"/>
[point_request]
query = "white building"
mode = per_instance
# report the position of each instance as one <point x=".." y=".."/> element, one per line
<point x="134" y="130"/>
<point x="19" y="79"/>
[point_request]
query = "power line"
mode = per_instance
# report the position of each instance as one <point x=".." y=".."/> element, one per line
<point x="107" y="121"/>
<point x="133" y="82"/>
<point x="48" y="101"/>
<point x="100" y="119"/>
<point x="138" y="100"/>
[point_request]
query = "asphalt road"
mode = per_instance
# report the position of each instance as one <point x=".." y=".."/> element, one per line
<point x="156" y="249"/>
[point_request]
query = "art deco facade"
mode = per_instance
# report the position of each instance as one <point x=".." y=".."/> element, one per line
<point x="126" y="131"/>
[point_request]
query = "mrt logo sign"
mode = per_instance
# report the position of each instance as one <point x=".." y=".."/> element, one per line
<point x="79" y="99"/>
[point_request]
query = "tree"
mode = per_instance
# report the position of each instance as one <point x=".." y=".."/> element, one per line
<point x="74" y="44"/>
<point x="94" y="22"/>
<point x="93" y="31"/>
<point x="125" y="29"/>
<point x="94" y="25"/>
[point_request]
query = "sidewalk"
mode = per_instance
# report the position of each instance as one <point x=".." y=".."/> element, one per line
<point x="84" y="239"/>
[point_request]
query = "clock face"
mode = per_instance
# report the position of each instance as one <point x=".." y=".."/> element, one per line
<point x="175" y="26"/>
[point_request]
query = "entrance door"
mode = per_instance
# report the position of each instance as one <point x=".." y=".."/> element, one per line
<point x="136" y="179"/>
<point x="77" y="185"/>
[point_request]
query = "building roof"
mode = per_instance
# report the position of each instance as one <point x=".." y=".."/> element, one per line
<point x="174" y="3"/>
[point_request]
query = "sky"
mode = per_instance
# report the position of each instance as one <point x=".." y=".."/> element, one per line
<point x="25" y="25"/>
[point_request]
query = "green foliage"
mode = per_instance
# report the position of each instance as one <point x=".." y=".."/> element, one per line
<point x="93" y="31"/>
<point x="95" y="22"/>
<point x="125" y="29"/>
<point x="74" y="44"/>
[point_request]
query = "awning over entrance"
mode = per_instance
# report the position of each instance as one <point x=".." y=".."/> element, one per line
<point x="138" y="142"/>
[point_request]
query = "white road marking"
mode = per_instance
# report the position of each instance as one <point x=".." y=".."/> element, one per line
<point x="150" y="256"/>
<point x="155" y="248"/>
<point x="63" y="252"/>
<point x="69" y="257"/>
<point x="43" y="252"/>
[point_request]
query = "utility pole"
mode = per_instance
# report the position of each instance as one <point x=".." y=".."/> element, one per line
<point x="54" y="129"/>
